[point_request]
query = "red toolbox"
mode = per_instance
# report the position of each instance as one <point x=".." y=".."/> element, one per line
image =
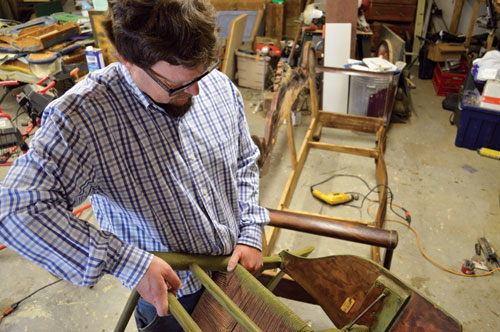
<point x="445" y="83"/>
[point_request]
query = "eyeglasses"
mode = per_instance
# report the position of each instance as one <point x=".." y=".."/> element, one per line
<point x="172" y="92"/>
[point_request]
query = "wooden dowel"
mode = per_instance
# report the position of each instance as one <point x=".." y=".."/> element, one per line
<point x="334" y="228"/>
<point x="181" y="315"/>
<point x="127" y="311"/>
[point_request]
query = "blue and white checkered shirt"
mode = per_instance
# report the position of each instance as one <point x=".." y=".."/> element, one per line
<point x="156" y="182"/>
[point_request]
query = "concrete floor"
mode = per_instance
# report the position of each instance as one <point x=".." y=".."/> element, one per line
<point x="452" y="194"/>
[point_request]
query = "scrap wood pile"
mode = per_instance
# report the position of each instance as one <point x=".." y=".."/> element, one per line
<point x="40" y="47"/>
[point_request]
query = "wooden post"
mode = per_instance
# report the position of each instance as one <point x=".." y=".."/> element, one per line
<point x="472" y="23"/>
<point x="457" y="13"/>
<point x="419" y="27"/>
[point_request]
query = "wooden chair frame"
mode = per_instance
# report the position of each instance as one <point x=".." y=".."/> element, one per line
<point x="278" y="283"/>
<point x="322" y="119"/>
<point x="351" y="290"/>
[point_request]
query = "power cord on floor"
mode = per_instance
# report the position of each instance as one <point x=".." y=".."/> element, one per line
<point x="78" y="212"/>
<point x="406" y="218"/>
<point x="14" y="305"/>
<point x="371" y="189"/>
<point x="427" y="256"/>
<point x="407" y="215"/>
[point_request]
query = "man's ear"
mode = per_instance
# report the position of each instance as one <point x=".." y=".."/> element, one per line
<point x="126" y="63"/>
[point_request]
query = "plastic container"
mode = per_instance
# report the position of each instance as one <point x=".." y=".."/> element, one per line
<point x="445" y="83"/>
<point x="367" y="96"/>
<point x="478" y="128"/>
<point x="94" y="57"/>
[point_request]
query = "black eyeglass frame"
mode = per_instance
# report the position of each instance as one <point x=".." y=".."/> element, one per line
<point x="170" y="91"/>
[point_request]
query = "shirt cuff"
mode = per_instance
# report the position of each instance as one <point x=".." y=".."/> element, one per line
<point x="132" y="265"/>
<point x="251" y="235"/>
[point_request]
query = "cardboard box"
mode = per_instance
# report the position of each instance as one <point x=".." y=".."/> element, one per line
<point x="251" y="73"/>
<point x="440" y="52"/>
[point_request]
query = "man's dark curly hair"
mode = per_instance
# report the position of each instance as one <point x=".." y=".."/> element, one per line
<point x="180" y="32"/>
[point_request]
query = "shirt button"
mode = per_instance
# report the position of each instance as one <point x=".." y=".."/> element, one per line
<point x="204" y="191"/>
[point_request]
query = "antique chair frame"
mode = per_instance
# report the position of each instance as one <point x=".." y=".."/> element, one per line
<point x="282" y="103"/>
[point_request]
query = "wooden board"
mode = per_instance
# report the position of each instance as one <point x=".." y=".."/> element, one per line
<point x="100" y="37"/>
<point x="398" y="44"/>
<point x="40" y="38"/>
<point x="234" y="41"/>
<point x="419" y="27"/>
<point x="337" y="51"/>
<point x="339" y="278"/>
<point x="293" y="9"/>
<point x="225" y="18"/>
<point x="344" y="11"/>
<point x="258" y="21"/>
<point x="274" y="20"/>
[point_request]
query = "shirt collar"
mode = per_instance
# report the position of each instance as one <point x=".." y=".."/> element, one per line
<point x="141" y="96"/>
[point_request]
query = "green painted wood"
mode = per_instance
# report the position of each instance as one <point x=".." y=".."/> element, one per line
<point x="419" y="26"/>
<point x="181" y="315"/>
<point x="127" y="311"/>
<point x="180" y="261"/>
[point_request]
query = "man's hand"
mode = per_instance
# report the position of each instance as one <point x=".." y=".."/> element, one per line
<point x="155" y="284"/>
<point x="249" y="257"/>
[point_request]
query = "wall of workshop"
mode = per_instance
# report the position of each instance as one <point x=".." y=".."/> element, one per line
<point x="293" y="9"/>
<point x="447" y="7"/>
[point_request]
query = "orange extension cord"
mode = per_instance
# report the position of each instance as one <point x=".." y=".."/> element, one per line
<point x="78" y="212"/>
<point x="372" y="214"/>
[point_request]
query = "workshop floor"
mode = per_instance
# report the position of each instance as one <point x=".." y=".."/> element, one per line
<point x="452" y="194"/>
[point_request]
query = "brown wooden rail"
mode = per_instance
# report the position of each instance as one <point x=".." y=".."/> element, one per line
<point x="344" y="230"/>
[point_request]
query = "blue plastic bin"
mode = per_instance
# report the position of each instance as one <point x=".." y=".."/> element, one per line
<point x="478" y="128"/>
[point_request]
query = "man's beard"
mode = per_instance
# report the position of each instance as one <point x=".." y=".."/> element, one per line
<point x="177" y="111"/>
